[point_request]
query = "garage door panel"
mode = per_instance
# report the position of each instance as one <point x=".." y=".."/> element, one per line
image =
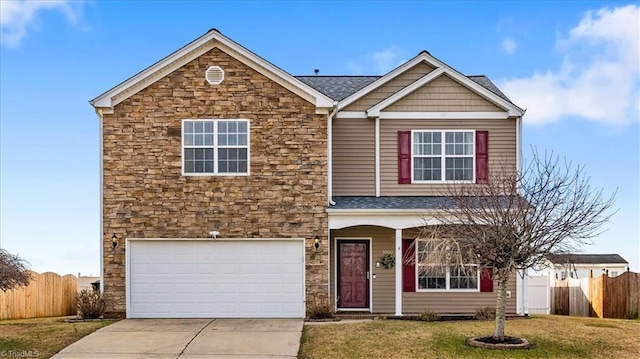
<point x="232" y="279"/>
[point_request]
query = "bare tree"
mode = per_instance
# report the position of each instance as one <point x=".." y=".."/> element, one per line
<point x="511" y="222"/>
<point x="14" y="271"/>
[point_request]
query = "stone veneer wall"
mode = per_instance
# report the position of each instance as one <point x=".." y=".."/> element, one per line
<point x="145" y="194"/>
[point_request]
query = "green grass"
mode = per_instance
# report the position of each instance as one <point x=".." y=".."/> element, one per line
<point x="551" y="336"/>
<point x="42" y="336"/>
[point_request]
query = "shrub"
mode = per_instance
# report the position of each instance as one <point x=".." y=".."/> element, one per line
<point x="429" y="316"/>
<point x="485" y="313"/>
<point x="90" y="304"/>
<point x="320" y="310"/>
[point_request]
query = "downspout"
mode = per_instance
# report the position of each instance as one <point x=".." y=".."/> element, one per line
<point x="330" y="188"/>
<point x="101" y="236"/>
<point x="377" y="155"/>
<point x="330" y="153"/>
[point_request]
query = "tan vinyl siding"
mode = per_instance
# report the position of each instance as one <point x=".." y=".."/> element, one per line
<point x="457" y="302"/>
<point x="502" y="147"/>
<point x="383" y="239"/>
<point x="443" y="94"/>
<point x="391" y="87"/>
<point x="353" y="157"/>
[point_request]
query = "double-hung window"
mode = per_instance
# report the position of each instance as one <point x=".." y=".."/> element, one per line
<point x="443" y="277"/>
<point x="215" y="147"/>
<point x="443" y="156"/>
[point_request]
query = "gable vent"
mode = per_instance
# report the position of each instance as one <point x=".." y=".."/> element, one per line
<point x="214" y="75"/>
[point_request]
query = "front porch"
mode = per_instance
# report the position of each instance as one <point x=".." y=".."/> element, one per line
<point x="360" y="284"/>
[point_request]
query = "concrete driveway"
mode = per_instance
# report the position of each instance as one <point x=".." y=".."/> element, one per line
<point x="190" y="338"/>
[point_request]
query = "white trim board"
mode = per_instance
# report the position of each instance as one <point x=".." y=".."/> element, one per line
<point x="427" y="115"/>
<point x="193" y="50"/>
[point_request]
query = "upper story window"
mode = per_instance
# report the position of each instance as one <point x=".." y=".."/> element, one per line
<point x="215" y="147"/>
<point x="441" y="277"/>
<point x="443" y="156"/>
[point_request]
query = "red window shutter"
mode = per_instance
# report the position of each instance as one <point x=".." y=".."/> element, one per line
<point x="486" y="280"/>
<point x="404" y="157"/>
<point x="482" y="156"/>
<point x="408" y="266"/>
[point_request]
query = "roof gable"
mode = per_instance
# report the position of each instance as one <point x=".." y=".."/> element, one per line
<point x="478" y="84"/>
<point x="212" y="39"/>
<point x="512" y="109"/>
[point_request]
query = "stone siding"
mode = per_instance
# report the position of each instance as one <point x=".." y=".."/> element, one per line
<point x="146" y="195"/>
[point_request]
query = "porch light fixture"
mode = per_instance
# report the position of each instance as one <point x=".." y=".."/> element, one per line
<point x="114" y="241"/>
<point x="316" y="242"/>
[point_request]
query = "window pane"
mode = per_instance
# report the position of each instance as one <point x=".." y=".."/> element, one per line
<point x="437" y="137"/>
<point x="242" y="166"/>
<point x="242" y="154"/>
<point x="208" y="127"/>
<point x="448" y="137"/>
<point x="223" y="167"/>
<point x="222" y="127"/>
<point x="222" y="140"/>
<point x="232" y="140"/>
<point x="198" y="140"/>
<point x="188" y="154"/>
<point x="233" y="167"/>
<point x="208" y="166"/>
<point x="208" y="153"/>
<point x="468" y="137"/>
<point x="232" y="127"/>
<point x="188" y="139"/>
<point x="242" y="140"/>
<point x="242" y="126"/>
<point x="188" y="166"/>
<point x="199" y="166"/>
<point x="208" y="140"/>
<point x="199" y="127"/>
<point x="222" y="153"/>
<point x="188" y="126"/>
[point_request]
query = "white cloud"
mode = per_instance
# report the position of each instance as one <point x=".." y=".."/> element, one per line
<point x="509" y="46"/>
<point x="17" y="16"/>
<point x="378" y="62"/>
<point x="598" y="79"/>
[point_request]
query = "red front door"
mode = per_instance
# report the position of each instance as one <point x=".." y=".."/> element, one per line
<point x="353" y="267"/>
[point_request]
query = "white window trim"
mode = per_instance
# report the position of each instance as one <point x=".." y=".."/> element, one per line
<point x="443" y="157"/>
<point x="447" y="280"/>
<point x="216" y="147"/>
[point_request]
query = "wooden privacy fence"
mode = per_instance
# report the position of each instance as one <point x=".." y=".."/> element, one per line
<point x="602" y="297"/>
<point x="47" y="295"/>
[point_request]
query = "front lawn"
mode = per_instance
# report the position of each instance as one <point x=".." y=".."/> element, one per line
<point x="41" y="337"/>
<point x="552" y="337"/>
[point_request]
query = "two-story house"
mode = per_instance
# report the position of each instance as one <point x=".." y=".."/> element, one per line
<point x="231" y="188"/>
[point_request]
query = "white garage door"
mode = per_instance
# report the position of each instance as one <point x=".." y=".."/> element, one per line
<point x="215" y="279"/>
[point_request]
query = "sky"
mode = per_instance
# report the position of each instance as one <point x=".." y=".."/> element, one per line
<point x="573" y="65"/>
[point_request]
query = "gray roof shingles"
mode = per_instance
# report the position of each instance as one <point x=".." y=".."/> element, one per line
<point x="400" y="202"/>
<point x="340" y="87"/>
<point x="586" y="258"/>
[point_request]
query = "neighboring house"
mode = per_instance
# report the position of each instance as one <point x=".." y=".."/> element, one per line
<point x="305" y="183"/>
<point x="86" y="282"/>
<point x="570" y="265"/>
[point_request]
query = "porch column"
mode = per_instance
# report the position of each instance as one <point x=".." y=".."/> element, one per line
<point x="398" y="271"/>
